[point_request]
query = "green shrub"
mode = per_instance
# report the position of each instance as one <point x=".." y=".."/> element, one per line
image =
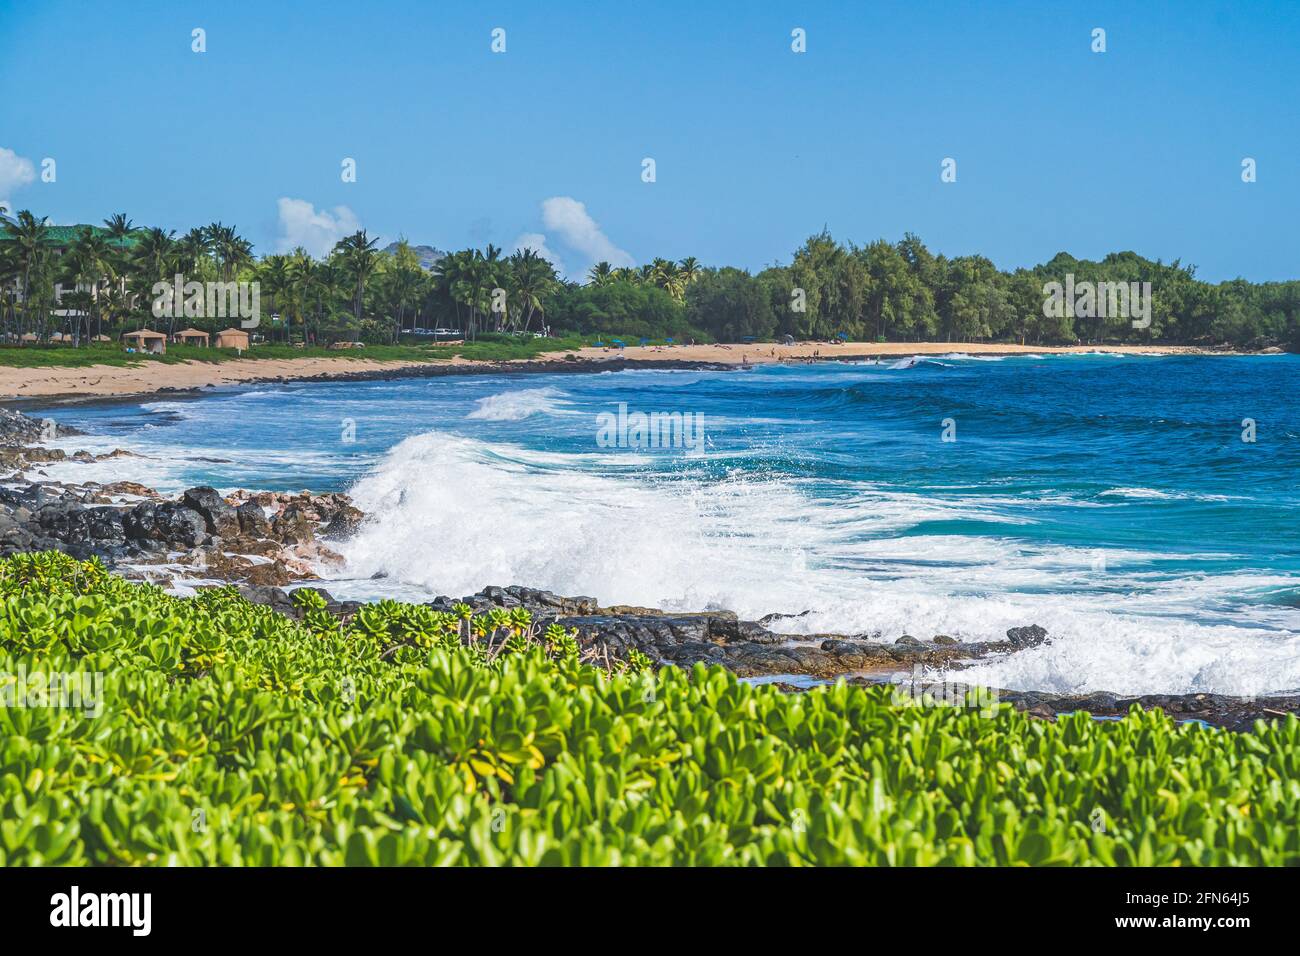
<point x="231" y="735"/>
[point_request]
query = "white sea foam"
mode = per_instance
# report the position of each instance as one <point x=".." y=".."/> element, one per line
<point x="1157" y="494"/>
<point x="449" y="515"/>
<point x="517" y="405"/>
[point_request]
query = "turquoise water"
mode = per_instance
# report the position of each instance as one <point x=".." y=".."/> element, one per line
<point x="1110" y="499"/>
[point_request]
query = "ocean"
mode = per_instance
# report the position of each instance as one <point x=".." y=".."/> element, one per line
<point x="1118" y="501"/>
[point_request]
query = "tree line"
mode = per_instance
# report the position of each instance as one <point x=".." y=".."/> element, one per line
<point x="882" y="291"/>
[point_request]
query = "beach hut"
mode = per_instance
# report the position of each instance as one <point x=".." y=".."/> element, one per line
<point x="146" y="340"/>
<point x="191" y="337"/>
<point x="232" y="339"/>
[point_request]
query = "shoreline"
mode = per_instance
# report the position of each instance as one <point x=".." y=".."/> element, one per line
<point x="28" y="388"/>
<point x="269" y="544"/>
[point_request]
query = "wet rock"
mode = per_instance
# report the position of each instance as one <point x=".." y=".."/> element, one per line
<point x="343" y="524"/>
<point x="1031" y="636"/>
<point x="17" y="428"/>
<point x="274" y="573"/>
<point x="273" y="597"/>
<point x="218" y="517"/>
<point x="176" y="524"/>
<point x="141" y="522"/>
<point x="106" y="524"/>
<point x="293" y="526"/>
<point x="252" y="520"/>
<point x="130" y="488"/>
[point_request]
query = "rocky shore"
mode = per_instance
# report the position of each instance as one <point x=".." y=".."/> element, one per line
<point x="264" y="542"/>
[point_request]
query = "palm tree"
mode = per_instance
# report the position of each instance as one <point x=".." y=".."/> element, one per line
<point x="449" y="274"/>
<point x="118" y="226"/>
<point x="155" y="253"/>
<point x="119" y="229"/>
<point x="331" y="288"/>
<point x="28" y="237"/>
<point x="301" y="275"/>
<point x="663" y="273"/>
<point x="10" y="271"/>
<point x="91" y="265"/>
<point x="360" y="257"/>
<point x="534" y="279"/>
<point x="602" y="273"/>
<point x="192" y="250"/>
<point x="689" y="270"/>
<point x="274" y="272"/>
<point x="229" y="247"/>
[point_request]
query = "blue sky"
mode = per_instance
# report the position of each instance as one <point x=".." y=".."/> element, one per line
<point x="756" y="147"/>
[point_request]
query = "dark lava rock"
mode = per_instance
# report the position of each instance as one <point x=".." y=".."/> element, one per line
<point x="106" y="524"/>
<point x="252" y="520"/>
<point x="273" y="573"/>
<point x="293" y="526"/>
<point x="218" y="517"/>
<point x="275" y="598"/>
<point x="176" y="524"/>
<point x="1031" y="636"/>
<point x="344" y="523"/>
<point x="17" y="428"/>
<point x="141" y="522"/>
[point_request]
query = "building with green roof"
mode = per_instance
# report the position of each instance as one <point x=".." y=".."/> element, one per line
<point x="60" y="238"/>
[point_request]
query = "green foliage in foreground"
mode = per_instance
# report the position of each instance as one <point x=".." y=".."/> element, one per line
<point x="231" y="735"/>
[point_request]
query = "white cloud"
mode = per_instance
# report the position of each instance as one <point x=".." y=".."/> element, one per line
<point x="570" y="221"/>
<point x="537" y="242"/>
<point x="15" y="172"/>
<point x="316" y="231"/>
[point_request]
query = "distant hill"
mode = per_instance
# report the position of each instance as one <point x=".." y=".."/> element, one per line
<point x="428" y="255"/>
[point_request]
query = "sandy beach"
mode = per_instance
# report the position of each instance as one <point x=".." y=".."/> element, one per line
<point x="146" y="377"/>
<point x="760" y="352"/>
<point x="107" y="381"/>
